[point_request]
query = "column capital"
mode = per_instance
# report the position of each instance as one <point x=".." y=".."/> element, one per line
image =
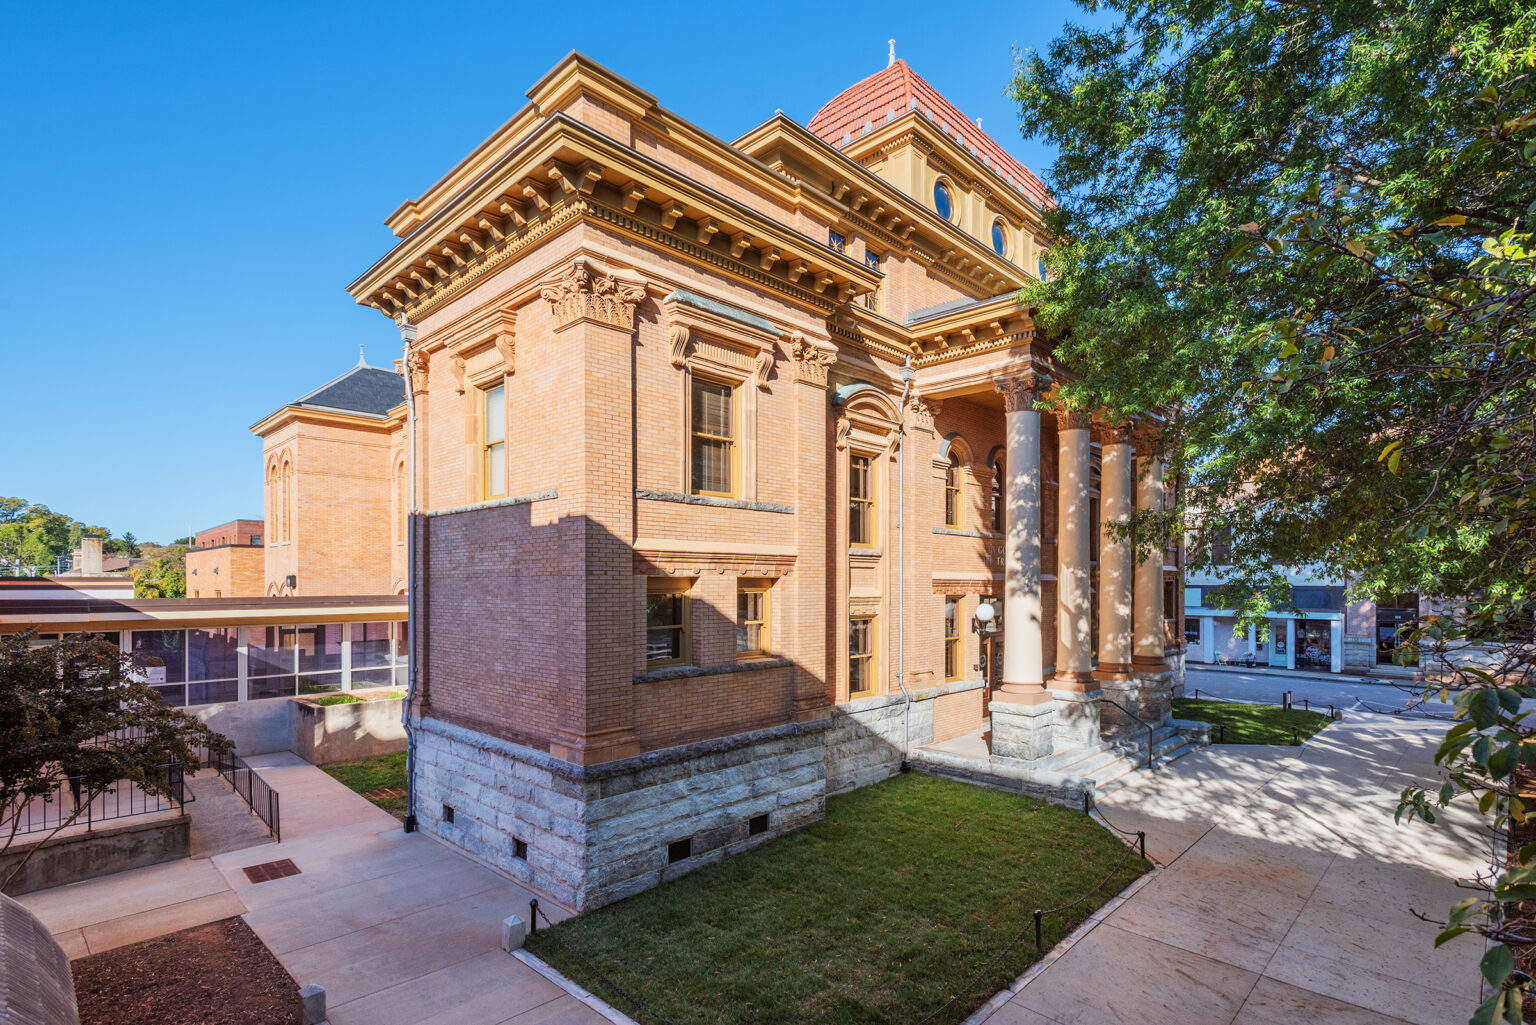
<point x="589" y="293"/>
<point x="810" y="360"/>
<point x="416" y="370"/>
<point x="1073" y="419"/>
<point x="1148" y="439"/>
<point x="1022" y="392"/>
<point x="1114" y="431"/>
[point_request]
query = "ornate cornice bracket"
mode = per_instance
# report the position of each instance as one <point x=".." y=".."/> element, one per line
<point x="416" y="369"/>
<point x="588" y="292"/>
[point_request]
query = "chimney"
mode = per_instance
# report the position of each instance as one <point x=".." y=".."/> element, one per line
<point x="90" y="556"/>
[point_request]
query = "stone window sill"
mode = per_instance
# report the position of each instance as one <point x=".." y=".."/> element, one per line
<point x="686" y="672"/>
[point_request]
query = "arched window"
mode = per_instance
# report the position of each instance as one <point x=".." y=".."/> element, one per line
<point x="997" y="493"/>
<point x="952" y="501"/>
<point x="272" y="501"/>
<point x="287" y="501"/>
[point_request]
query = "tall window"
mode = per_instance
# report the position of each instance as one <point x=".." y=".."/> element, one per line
<point x="272" y="520"/>
<point x="751" y="620"/>
<point x="861" y="501"/>
<point x="666" y="622"/>
<point x="861" y="655"/>
<point x="287" y="501"/>
<point x="714" y="437"/>
<point x="952" y="654"/>
<point x="493" y="441"/>
<point x="997" y="494"/>
<point x="952" y="500"/>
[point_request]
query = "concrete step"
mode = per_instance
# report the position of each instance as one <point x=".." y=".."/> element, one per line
<point x="1169" y="753"/>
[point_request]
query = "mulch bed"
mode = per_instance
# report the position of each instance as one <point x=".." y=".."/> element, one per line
<point x="215" y="974"/>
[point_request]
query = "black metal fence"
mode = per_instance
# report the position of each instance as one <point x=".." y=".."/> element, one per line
<point x="250" y="787"/>
<point x="67" y="804"/>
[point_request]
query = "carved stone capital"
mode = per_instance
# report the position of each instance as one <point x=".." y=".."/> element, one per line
<point x="416" y="371"/>
<point x="590" y="293"/>
<point x="810" y="360"/>
<point x="1148" y="439"/>
<point x="1115" y="432"/>
<point x="1021" y="393"/>
<point x="1073" y="419"/>
<point x="924" y="412"/>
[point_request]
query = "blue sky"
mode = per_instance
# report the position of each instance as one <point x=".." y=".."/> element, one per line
<point x="190" y="187"/>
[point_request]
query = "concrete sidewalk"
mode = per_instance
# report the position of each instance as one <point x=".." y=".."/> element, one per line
<point x="398" y="928"/>
<point x="1285" y="896"/>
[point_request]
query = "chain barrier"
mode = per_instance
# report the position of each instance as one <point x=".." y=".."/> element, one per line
<point x="535" y="913"/>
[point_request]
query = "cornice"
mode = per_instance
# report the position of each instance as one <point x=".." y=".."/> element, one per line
<point x="567" y="172"/>
<point x="291" y="413"/>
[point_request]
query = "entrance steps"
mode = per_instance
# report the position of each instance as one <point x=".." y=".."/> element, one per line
<point x="1071" y="774"/>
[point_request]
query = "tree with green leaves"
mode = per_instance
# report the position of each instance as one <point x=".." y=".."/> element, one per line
<point x="1302" y="229"/>
<point x="160" y="577"/>
<point x="77" y="721"/>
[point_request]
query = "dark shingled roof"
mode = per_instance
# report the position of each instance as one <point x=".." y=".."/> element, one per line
<point x="371" y="391"/>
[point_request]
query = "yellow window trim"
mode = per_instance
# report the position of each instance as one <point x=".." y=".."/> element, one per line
<point x="765" y="625"/>
<point x="733" y="440"/>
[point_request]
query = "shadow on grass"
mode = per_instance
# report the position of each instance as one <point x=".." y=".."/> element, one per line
<point x="1247" y="723"/>
<point x="879" y="913"/>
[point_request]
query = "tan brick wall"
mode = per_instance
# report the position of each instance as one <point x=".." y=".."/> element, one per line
<point x="226" y="571"/>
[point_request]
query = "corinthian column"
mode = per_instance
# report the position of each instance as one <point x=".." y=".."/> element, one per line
<point x="1149" y="642"/>
<point x="1074" y="587"/>
<point x="1023" y="650"/>
<point x="1116" y="502"/>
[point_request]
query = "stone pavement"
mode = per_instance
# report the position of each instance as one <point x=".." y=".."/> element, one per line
<point x="398" y="928"/>
<point x="1285" y="894"/>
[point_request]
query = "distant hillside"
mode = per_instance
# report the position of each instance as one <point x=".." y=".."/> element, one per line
<point x="35" y="539"/>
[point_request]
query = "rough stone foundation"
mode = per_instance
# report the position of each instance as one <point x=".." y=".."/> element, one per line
<point x="597" y="834"/>
<point x="1147" y="698"/>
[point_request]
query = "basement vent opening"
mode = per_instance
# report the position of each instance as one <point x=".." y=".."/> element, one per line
<point x="678" y="850"/>
<point x="447" y="813"/>
<point x="520" y="848"/>
<point x="757" y="824"/>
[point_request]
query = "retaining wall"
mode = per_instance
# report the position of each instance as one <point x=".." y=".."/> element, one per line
<point x="101" y="851"/>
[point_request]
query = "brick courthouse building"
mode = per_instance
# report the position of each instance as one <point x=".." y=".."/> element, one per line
<point x="692" y="553"/>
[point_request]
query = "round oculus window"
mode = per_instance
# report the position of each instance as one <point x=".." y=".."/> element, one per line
<point x="999" y="239"/>
<point x="941" y="203"/>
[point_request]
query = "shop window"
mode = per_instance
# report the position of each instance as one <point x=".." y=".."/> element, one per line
<point x="752" y="620"/>
<point x="1192" y="631"/>
<point x="666" y="622"/>
<point x="861" y="501"/>
<point x="714" y="437"/>
<point x="861" y="655"/>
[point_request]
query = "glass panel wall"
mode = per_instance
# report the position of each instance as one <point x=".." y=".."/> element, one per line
<point x="270" y="661"/>
<point x="372" y="655"/>
<point x="163" y="654"/>
<point x="213" y="665"/>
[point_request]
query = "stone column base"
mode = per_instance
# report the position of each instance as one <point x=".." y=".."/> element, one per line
<point x="1146" y="696"/>
<point x="1022" y="732"/>
<point x="1077" y="717"/>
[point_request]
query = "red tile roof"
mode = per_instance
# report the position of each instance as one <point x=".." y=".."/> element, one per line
<point x="898" y="89"/>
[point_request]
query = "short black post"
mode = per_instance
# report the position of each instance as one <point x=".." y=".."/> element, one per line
<point x="1306" y="704"/>
<point x="1039" y="939"/>
<point x="1223" y="728"/>
<point x="1141" y="841"/>
<point x="1197" y="693"/>
<point x="1087" y="801"/>
<point x="533" y="916"/>
<point x="1295" y="736"/>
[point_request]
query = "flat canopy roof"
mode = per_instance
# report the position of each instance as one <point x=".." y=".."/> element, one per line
<point x="69" y="615"/>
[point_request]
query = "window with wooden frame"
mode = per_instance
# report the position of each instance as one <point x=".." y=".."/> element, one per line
<point x="713" y="426"/>
<point x="752" y="619"/>
<point x="861" y="501"/>
<point x="493" y="441"/>
<point x="953" y="500"/>
<point x="667" y="616"/>
<point x="953" y="656"/>
<point x="998" y="481"/>
<point x="861" y="655"/>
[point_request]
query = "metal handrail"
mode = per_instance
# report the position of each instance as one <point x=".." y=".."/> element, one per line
<point x="1133" y="717"/>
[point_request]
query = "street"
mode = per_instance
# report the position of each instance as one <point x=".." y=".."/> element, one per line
<point x="1320" y="691"/>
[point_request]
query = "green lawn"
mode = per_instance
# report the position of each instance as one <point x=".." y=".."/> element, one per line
<point x="879" y="913"/>
<point x="367" y="775"/>
<point x="1250" y="724"/>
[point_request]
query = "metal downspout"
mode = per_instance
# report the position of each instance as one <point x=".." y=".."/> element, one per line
<point x="907" y="376"/>
<point x="407" y="337"/>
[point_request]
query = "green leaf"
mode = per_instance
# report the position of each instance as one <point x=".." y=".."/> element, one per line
<point x="1497" y="964"/>
<point x="1450" y="934"/>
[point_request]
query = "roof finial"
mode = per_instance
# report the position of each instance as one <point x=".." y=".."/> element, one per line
<point x="892" y="59"/>
<point x="360" y="360"/>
